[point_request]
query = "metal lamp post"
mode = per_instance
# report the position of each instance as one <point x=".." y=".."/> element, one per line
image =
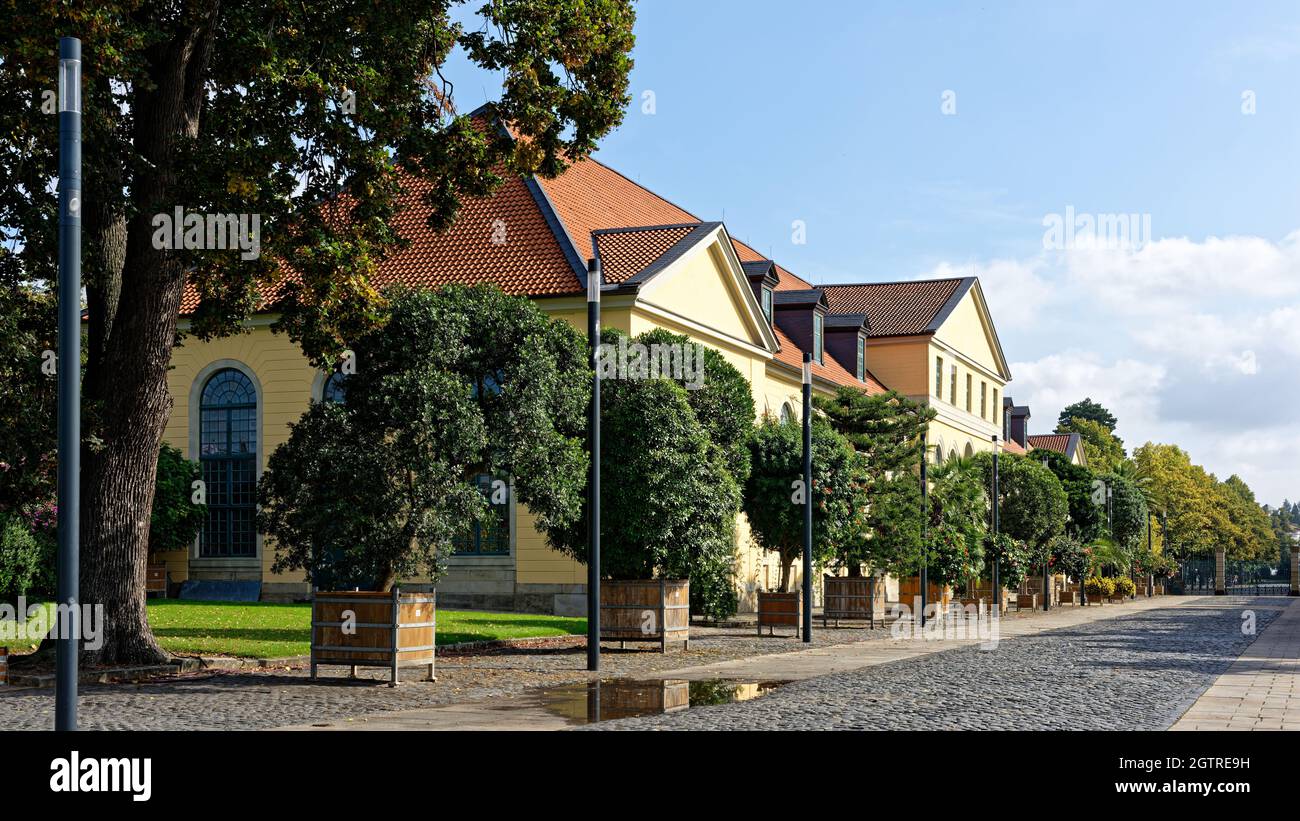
<point x="997" y="587"/>
<point x="593" y="485"/>
<point x="925" y="529"/>
<point x="807" y="495"/>
<point x="69" y="364"/>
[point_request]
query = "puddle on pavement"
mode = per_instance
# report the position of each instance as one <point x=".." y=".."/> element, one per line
<point x="609" y="699"/>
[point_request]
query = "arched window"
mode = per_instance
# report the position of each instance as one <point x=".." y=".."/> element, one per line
<point x="228" y="454"/>
<point x="970" y="450"/>
<point x="335" y="388"/>
<point x="787" y="413"/>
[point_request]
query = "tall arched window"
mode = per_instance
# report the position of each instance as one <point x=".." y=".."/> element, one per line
<point x="228" y="453"/>
<point x="335" y="388"/>
<point x="787" y="413"/>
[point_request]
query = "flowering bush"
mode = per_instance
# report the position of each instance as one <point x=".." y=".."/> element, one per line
<point x="1012" y="558"/>
<point x="1100" y="588"/>
<point x="1124" y="586"/>
<point x="953" y="557"/>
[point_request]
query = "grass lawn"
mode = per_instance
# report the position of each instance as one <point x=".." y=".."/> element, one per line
<point x="264" y="630"/>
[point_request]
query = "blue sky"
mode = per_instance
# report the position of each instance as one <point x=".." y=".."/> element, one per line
<point x="833" y="113"/>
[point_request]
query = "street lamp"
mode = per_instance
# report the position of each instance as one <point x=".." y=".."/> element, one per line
<point x="807" y="495"/>
<point x="69" y="369"/>
<point x="997" y="588"/>
<point x="925" y="528"/>
<point x="593" y="485"/>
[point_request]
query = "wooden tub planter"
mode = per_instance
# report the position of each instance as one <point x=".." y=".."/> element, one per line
<point x="607" y="700"/>
<point x="909" y="588"/>
<point x="368" y="629"/>
<point x="155" y="579"/>
<point x="4" y="665"/>
<point x="852" y="598"/>
<point x="1160" y="588"/>
<point x="778" y="610"/>
<point x="1068" y="596"/>
<point x="650" y="610"/>
<point x="1026" y="601"/>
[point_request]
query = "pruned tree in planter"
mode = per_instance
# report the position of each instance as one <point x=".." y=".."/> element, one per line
<point x="774" y="495"/>
<point x="668" y="500"/>
<point x="457" y="383"/>
<point x="269" y="109"/>
<point x="1033" y="508"/>
<point x="885" y="431"/>
<point x="958" y="510"/>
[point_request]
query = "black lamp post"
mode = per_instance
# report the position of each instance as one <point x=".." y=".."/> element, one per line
<point x="808" y="500"/>
<point x="69" y="363"/>
<point x="925" y="529"/>
<point x="593" y="485"/>
<point x="997" y="587"/>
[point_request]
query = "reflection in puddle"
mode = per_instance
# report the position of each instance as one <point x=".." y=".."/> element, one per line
<point x="589" y="702"/>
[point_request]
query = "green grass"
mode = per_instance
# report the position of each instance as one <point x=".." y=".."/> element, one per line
<point x="264" y="630"/>
<point x="9" y="634"/>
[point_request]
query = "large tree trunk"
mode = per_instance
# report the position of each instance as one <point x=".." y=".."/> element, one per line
<point x="787" y="568"/>
<point x="130" y="350"/>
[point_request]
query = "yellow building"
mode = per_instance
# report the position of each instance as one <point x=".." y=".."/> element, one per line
<point x="235" y="398"/>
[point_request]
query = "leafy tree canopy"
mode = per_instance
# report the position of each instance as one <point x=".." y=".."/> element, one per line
<point x="176" y="519"/>
<point x="774" y="500"/>
<point x="1085" y="409"/>
<point x="1105" y="450"/>
<point x="458" y="383"/>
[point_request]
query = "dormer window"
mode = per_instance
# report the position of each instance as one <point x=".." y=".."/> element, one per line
<point x="862" y="358"/>
<point x="767" y="304"/>
<point x="818" y="345"/>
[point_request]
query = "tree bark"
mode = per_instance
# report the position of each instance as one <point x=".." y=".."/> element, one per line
<point x="787" y="567"/>
<point x="130" y="351"/>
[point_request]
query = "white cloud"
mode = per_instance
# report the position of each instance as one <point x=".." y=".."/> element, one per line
<point x="1128" y="387"/>
<point x="1016" y="292"/>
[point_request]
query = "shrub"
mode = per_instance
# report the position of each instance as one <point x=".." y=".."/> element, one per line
<point x="1099" y="587"/>
<point x="1069" y="556"/>
<point x="1012" y="558"/>
<point x="27" y="560"/>
<point x="175" y="520"/>
<point x="1124" y="586"/>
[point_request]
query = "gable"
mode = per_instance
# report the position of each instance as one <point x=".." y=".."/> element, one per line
<point x="968" y="329"/>
<point x="704" y="286"/>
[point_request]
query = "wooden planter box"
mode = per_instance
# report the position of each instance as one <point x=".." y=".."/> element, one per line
<point x="155" y="579"/>
<point x="1026" y="601"/>
<point x="909" y="588"/>
<point x="778" y="610"/>
<point x="1118" y="599"/>
<point x="986" y="593"/>
<point x="368" y="629"/>
<point x="1034" y="585"/>
<point x="852" y="598"/>
<point x="4" y="665"/>
<point x="654" y="610"/>
<point x="1160" y="588"/>
<point x="1067" y="597"/>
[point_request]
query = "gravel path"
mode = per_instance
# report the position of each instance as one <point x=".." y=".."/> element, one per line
<point x="1134" y="672"/>
<point x="262" y="699"/>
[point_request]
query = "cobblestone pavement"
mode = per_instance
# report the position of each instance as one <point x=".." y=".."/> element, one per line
<point x="257" y="699"/>
<point x="1136" y="671"/>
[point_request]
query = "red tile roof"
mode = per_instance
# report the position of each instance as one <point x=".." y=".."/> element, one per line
<point x="626" y="253"/>
<point x="589" y="196"/>
<point x="1012" y="446"/>
<point x="894" y="308"/>
<point x="1059" y="442"/>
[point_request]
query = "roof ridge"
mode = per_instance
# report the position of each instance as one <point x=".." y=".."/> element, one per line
<point x="894" y="282"/>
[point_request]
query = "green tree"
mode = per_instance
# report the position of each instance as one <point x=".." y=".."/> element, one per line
<point x="1105" y="450"/>
<point x="1250" y="533"/>
<point x="28" y="394"/>
<point x="1128" y="513"/>
<point x="1086" y="517"/>
<point x="1033" y="505"/>
<point x="457" y="383"/>
<point x="176" y="519"/>
<point x="774" y="498"/>
<point x="668" y="500"/>
<point x="885" y="431"/>
<point x="271" y="109"/>
<point x="958" y="508"/>
<point x="1185" y="495"/>
<point x="1085" y="409"/>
